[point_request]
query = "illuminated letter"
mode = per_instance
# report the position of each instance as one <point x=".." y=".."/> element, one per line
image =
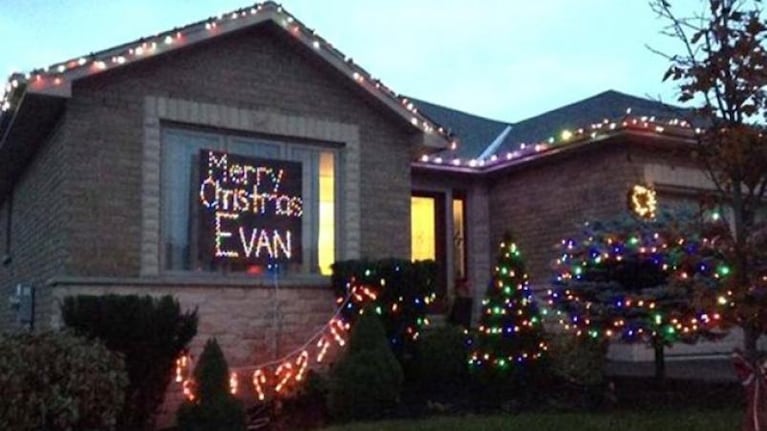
<point x="248" y="247"/>
<point x="279" y="244"/>
<point x="204" y="188"/>
<point x="220" y="234"/>
<point x="263" y="241"/>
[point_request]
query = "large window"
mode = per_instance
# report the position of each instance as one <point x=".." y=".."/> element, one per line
<point x="181" y="242"/>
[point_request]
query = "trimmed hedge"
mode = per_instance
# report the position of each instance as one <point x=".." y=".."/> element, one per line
<point x="149" y="332"/>
<point x="58" y="381"/>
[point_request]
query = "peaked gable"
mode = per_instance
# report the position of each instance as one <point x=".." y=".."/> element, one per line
<point x="57" y="79"/>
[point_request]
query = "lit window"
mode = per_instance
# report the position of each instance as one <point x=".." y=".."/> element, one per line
<point x="423" y="235"/>
<point x="182" y="247"/>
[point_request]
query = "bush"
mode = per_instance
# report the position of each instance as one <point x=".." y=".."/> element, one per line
<point x="150" y="333"/>
<point x="368" y="379"/>
<point x="407" y="284"/>
<point x="579" y="363"/>
<point x="57" y="381"/>
<point x="440" y="365"/>
<point x="214" y="407"/>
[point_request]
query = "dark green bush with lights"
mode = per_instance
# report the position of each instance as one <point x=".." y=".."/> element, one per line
<point x="404" y="290"/>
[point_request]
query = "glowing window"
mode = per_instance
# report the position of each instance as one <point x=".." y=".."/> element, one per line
<point x="326" y="238"/>
<point x="423" y="229"/>
<point x="459" y="238"/>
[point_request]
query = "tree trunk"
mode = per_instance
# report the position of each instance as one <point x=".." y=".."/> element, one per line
<point x="750" y="336"/>
<point x="660" y="362"/>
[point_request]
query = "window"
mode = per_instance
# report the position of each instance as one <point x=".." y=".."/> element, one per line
<point x="423" y="239"/>
<point x="180" y="198"/>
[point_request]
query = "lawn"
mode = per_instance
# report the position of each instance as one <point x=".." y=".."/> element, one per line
<point x="714" y="420"/>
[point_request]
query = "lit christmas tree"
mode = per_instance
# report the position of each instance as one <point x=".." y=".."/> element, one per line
<point x="510" y="330"/>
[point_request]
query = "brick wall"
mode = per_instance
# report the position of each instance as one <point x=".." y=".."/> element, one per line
<point x="545" y="202"/>
<point x="37" y="233"/>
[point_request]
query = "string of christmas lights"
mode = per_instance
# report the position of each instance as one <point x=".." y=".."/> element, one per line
<point x="278" y="377"/>
<point x="290" y="369"/>
<point x="594" y="131"/>
<point x="61" y="73"/>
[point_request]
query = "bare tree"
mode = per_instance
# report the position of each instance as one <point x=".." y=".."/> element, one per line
<point x="722" y="72"/>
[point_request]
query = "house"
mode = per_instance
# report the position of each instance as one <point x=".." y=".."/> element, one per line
<point x="139" y="169"/>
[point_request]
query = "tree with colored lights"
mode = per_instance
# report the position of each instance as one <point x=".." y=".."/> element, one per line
<point x="654" y="281"/>
<point x="722" y="72"/>
<point x="510" y="330"/>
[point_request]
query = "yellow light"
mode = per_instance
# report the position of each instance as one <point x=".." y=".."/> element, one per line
<point x="326" y="247"/>
<point x="643" y="201"/>
<point x="423" y="229"/>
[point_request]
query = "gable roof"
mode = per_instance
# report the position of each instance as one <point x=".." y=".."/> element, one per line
<point x="476" y="133"/>
<point x="57" y="79"/>
<point x="609" y="105"/>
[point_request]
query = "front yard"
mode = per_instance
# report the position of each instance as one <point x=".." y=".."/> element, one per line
<point x="691" y="420"/>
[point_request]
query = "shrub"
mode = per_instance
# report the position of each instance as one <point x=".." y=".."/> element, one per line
<point x="409" y="285"/>
<point x="440" y="364"/>
<point x="150" y="333"/>
<point x="57" y="381"/>
<point x="368" y="379"/>
<point x="214" y="407"/>
<point x="579" y="363"/>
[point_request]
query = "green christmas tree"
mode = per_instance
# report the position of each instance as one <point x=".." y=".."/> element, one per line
<point x="510" y="330"/>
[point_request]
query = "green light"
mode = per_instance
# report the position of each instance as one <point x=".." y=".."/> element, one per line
<point x="507" y="290"/>
<point x="658" y="319"/>
<point x="724" y="270"/>
<point x="378" y="310"/>
<point x="634" y="240"/>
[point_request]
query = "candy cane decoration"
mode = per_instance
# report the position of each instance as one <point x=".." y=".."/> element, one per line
<point x="337" y="325"/>
<point x="323" y="346"/>
<point x="301" y="363"/>
<point x="259" y="380"/>
<point x="233" y="382"/>
<point x="286" y="370"/>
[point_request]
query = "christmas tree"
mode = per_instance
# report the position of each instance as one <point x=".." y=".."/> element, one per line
<point x="510" y="331"/>
<point x="655" y="281"/>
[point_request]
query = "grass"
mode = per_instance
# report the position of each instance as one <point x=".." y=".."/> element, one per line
<point x="713" y="420"/>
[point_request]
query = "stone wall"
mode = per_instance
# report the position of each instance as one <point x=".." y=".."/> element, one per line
<point x="248" y="321"/>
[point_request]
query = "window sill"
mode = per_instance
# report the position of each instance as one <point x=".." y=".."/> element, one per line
<point x="198" y="280"/>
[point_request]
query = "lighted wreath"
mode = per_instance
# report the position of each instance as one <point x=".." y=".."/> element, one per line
<point x="643" y="201"/>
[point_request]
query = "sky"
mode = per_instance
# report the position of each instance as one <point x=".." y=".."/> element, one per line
<point x="502" y="59"/>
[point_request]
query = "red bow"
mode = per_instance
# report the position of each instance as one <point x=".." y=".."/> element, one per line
<point x="752" y="377"/>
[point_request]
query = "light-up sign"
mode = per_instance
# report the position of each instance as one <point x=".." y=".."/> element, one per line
<point x="250" y="209"/>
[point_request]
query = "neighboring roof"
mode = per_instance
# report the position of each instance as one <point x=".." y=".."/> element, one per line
<point x="476" y="133"/>
<point x="56" y="80"/>
<point x="593" y="119"/>
<point x="608" y="105"/>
